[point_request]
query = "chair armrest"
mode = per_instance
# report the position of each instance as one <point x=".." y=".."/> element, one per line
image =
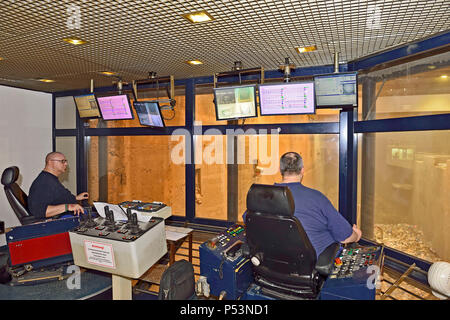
<point x="29" y="220"/>
<point x="325" y="262"/>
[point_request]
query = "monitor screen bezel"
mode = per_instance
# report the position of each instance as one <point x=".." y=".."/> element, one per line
<point x="286" y="83"/>
<point x="235" y="87"/>
<point x="116" y="95"/>
<point x="98" y="106"/>
<point x="337" y="106"/>
<point x="159" y="110"/>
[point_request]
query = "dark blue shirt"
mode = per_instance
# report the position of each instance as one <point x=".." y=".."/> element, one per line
<point x="322" y="223"/>
<point x="47" y="190"/>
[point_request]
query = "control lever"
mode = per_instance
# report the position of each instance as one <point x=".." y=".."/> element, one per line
<point x="90" y="223"/>
<point x="134" y="227"/>
<point x="109" y="218"/>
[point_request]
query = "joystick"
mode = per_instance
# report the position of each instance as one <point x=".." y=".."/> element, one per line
<point x="90" y="223"/>
<point x="134" y="227"/>
<point x="109" y="219"/>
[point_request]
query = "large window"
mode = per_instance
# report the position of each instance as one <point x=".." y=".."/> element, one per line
<point x="126" y="168"/>
<point x="229" y="164"/>
<point x="404" y="201"/>
<point x="420" y="87"/>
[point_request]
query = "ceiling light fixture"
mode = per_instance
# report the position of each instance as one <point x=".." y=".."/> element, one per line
<point x="45" y="80"/>
<point x="198" y="17"/>
<point x="194" y="62"/>
<point x="108" y="73"/>
<point x="306" y="49"/>
<point x="75" y="41"/>
<point x="444" y="76"/>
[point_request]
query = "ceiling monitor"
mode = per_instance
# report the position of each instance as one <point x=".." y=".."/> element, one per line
<point x="149" y="113"/>
<point x="286" y="98"/>
<point x="87" y="106"/>
<point x="336" y="90"/>
<point x="233" y="103"/>
<point x="115" y="107"/>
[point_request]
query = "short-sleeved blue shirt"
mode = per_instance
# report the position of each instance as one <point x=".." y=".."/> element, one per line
<point x="322" y="223"/>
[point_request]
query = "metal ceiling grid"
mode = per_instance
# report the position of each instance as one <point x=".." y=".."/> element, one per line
<point x="133" y="37"/>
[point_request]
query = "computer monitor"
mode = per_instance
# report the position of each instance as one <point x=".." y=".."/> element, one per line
<point x="336" y="90"/>
<point x="149" y="113"/>
<point x="115" y="107"/>
<point x="87" y="106"/>
<point x="286" y="98"/>
<point x="235" y="102"/>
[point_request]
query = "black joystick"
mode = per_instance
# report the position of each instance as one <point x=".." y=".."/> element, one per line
<point x="134" y="227"/>
<point x="109" y="218"/>
<point x="90" y="223"/>
<point x="129" y="214"/>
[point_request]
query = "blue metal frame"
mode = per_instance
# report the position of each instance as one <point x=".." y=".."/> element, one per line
<point x="347" y="128"/>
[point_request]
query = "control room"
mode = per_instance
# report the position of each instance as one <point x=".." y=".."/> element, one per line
<point x="225" y="150"/>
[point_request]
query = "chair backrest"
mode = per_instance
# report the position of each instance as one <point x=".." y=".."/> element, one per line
<point x="275" y="236"/>
<point x="17" y="198"/>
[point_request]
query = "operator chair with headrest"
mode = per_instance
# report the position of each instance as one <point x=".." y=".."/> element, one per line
<point x="284" y="260"/>
<point x="17" y="198"/>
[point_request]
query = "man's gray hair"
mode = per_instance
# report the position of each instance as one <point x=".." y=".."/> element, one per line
<point x="291" y="163"/>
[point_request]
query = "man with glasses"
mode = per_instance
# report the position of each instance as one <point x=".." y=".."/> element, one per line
<point x="48" y="197"/>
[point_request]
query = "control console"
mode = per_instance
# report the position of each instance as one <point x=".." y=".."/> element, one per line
<point x="224" y="265"/>
<point x="127" y="248"/>
<point x="354" y="275"/>
<point x="154" y="209"/>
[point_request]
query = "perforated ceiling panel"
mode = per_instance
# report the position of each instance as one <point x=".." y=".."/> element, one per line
<point x="134" y="37"/>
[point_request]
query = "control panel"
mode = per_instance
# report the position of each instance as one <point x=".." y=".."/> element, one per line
<point x="126" y="248"/>
<point x="224" y="265"/>
<point x="154" y="209"/>
<point x="106" y="227"/>
<point x="352" y="277"/>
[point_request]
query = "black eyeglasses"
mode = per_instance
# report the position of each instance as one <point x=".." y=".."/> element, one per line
<point x="62" y="161"/>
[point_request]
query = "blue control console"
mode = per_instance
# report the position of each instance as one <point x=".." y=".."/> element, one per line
<point x="223" y="264"/>
<point x="354" y="276"/>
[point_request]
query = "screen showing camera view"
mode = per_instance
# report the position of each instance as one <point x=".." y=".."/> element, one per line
<point x="87" y="106"/>
<point x="235" y="102"/>
<point x="336" y="90"/>
<point x="149" y="113"/>
<point x="287" y="98"/>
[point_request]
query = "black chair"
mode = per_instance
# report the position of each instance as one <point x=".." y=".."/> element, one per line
<point x="284" y="260"/>
<point x="17" y="198"/>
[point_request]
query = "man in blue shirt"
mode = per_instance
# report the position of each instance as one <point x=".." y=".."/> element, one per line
<point x="322" y="223"/>
<point x="48" y="197"/>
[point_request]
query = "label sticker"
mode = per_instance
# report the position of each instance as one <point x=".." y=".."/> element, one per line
<point x="100" y="254"/>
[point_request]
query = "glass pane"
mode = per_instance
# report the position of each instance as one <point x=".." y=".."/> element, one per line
<point x="206" y="113"/>
<point x="174" y="117"/>
<point x="420" y="87"/>
<point x="320" y="155"/>
<point x="126" y="168"/>
<point x="248" y="159"/>
<point x="211" y="177"/>
<point x="67" y="145"/>
<point x="404" y="201"/>
<point x="65" y="113"/>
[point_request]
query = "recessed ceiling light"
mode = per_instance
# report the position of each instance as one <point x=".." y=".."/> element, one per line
<point x="444" y="76"/>
<point x="198" y="17"/>
<point x="194" y="62"/>
<point x="2" y="58"/>
<point x="75" y="41"/>
<point x="108" y="73"/>
<point x="306" y="49"/>
<point x="46" y="80"/>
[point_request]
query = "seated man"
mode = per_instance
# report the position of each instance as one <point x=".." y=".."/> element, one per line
<point x="322" y="223"/>
<point x="48" y="197"/>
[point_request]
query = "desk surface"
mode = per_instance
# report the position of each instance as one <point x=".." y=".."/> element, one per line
<point x="92" y="283"/>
